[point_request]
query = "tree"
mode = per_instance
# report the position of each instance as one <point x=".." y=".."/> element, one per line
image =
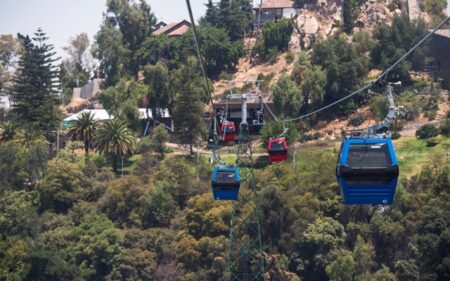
<point x="159" y="206"/>
<point x="234" y="16"/>
<point x="7" y="132"/>
<point x="319" y="241"/>
<point x="122" y="201"/>
<point x="188" y="110"/>
<point x="49" y="264"/>
<point x="274" y="36"/>
<point x="22" y="162"/>
<point x="384" y="274"/>
<point x="160" y="48"/>
<point x="159" y="137"/>
<point x="287" y="97"/>
<point x="220" y="52"/>
<point x="121" y="100"/>
<point x="77" y="50"/>
<point x="96" y="245"/>
<point x="342" y="268"/>
<point x="313" y="86"/>
<point x="393" y="41"/>
<point x="159" y="95"/>
<point x="344" y="70"/>
<point x="9" y="50"/>
<point x="18" y="212"/>
<point x="211" y="16"/>
<point x="114" y="138"/>
<point x="126" y="26"/>
<point x="84" y="128"/>
<point x="435" y="7"/>
<point x="347" y="10"/>
<point x="35" y="96"/>
<point x="63" y="185"/>
<point x="111" y="52"/>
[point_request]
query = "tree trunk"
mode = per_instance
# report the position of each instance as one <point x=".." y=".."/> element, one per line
<point x="86" y="146"/>
<point x="114" y="162"/>
<point x="190" y="145"/>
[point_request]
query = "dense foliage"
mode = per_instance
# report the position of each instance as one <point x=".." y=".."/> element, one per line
<point x="394" y="41"/>
<point x="274" y="38"/>
<point x="66" y="215"/>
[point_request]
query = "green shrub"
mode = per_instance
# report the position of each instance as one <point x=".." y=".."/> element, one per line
<point x="435" y="7"/>
<point x="290" y="57"/>
<point x="379" y="107"/>
<point x="356" y="121"/>
<point x="432" y="142"/>
<point x="272" y="55"/>
<point x="432" y="115"/>
<point x="445" y="127"/>
<point x="427" y="131"/>
<point x="145" y="145"/>
<point x="224" y="75"/>
<point x="395" y="135"/>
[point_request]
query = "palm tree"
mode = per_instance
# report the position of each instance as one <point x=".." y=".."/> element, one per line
<point x="115" y="138"/>
<point x="7" y="132"/>
<point x="83" y="128"/>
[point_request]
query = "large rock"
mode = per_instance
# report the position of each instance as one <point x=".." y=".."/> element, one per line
<point x="308" y="24"/>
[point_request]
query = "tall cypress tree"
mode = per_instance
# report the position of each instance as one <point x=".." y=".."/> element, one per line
<point x="34" y="94"/>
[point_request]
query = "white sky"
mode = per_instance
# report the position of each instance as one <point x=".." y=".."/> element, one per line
<point x="63" y="19"/>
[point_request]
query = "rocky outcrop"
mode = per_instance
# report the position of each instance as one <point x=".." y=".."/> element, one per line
<point x="318" y="20"/>
<point x="315" y="20"/>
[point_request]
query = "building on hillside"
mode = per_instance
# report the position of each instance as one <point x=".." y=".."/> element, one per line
<point x="173" y="29"/>
<point x="88" y="91"/>
<point x="271" y="10"/>
<point x="98" y="114"/>
<point x="148" y="122"/>
<point x="438" y="51"/>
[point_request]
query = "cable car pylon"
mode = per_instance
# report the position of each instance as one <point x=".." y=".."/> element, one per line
<point x="245" y="260"/>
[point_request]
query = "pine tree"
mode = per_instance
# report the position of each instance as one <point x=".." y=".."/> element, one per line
<point x="35" y="91"/>
<point x="188" y="110"/>
<point x="211" y="15"/>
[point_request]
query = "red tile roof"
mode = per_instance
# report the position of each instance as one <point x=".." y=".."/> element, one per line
<point x="174" y="28"/>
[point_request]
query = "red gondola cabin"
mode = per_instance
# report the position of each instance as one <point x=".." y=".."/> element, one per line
<point x="227" y="131"/>
<point x="277" y="149"/>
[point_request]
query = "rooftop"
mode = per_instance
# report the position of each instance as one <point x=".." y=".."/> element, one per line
<point x="174" y="28"/>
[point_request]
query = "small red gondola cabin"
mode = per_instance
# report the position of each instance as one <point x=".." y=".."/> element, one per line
<point x="277" y="149"/>
<point x="227" y="131"/>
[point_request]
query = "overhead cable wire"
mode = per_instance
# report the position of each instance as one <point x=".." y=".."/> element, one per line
<point x="200" y="58"/>
<point x="215" y="157"/>
<point x="381" y="76"/>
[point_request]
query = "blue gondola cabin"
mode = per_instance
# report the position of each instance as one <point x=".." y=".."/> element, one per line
<point x="367" y="171"/>
<point x="225" y="183"/>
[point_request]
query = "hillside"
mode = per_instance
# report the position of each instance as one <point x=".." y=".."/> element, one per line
<point x="138" y="187"/>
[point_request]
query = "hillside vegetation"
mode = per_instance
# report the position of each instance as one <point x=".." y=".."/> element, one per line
<point x="100" y="200"/>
